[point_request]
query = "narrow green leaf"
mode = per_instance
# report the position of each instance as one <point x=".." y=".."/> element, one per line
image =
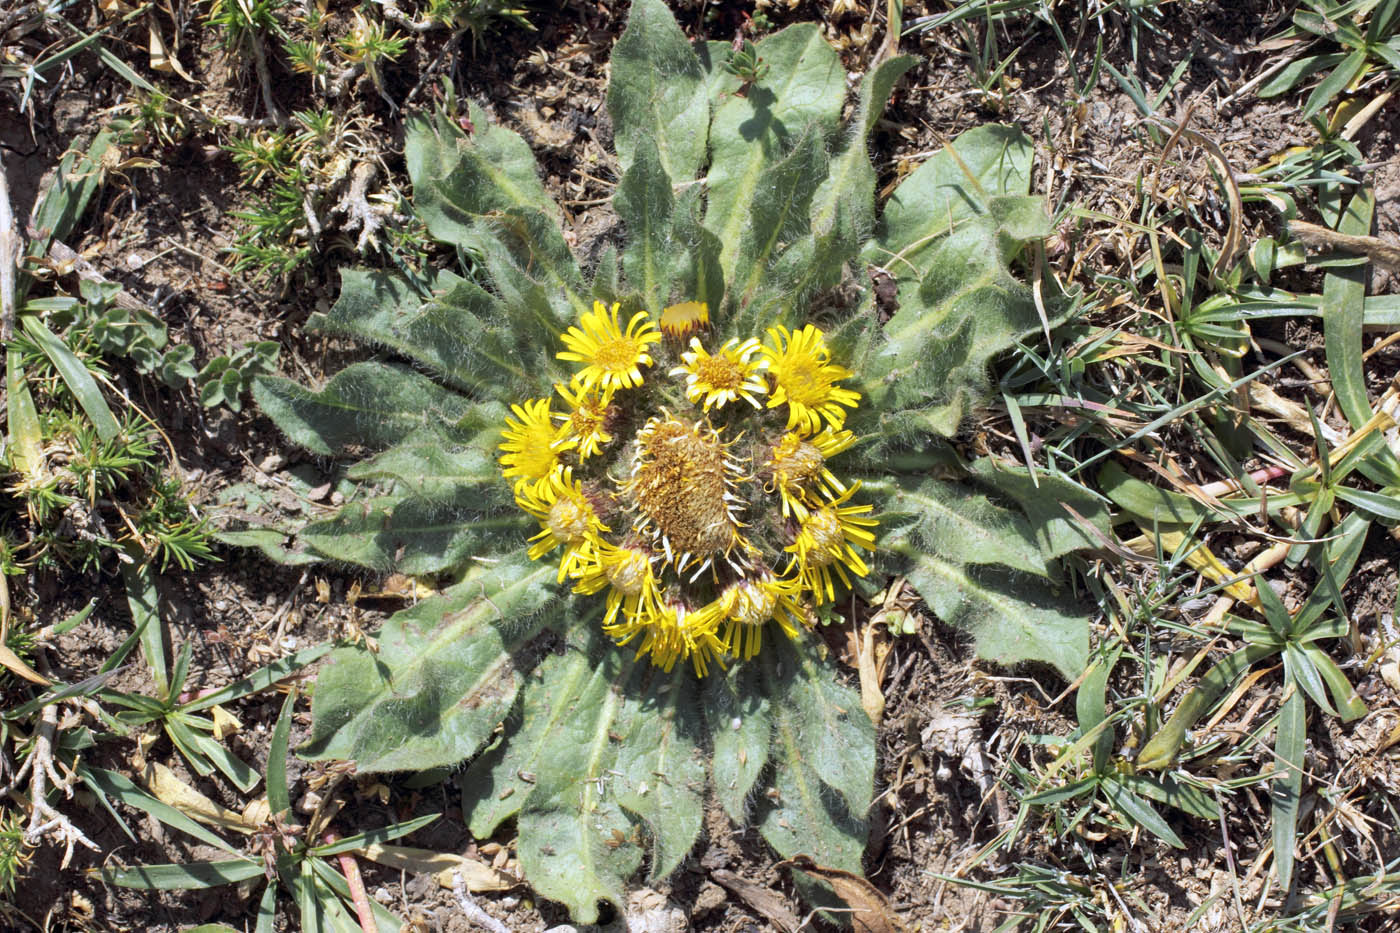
<point x="279" y="796"/>
<point x="740" y="726"/>
<point x="1336" y="82"/>
<point x="143" y="599"/>
<point x="1151" y="504"/>
<point x="259" y="680"/>
<point x="1140" y="812"/>
<point x="1161" y="749"/>
<point x="374" y="836"/>
<point x="63" y="202"/>
<point x="1295" y="73"/>
<point x="76" y="376"/>
<point x="442" y="679"/>
<point x="1287" y="790"/>
<point x="1349" y="705"/>
<point x="1299" y="667"/>
<point x="23" y="428"/>
<point x="334" y="883"/>
<point x="657" y="93"/>
<point x="1383" y="504"/>
<point x="239" y="772"/>
<point x="1343" y="303"/>
<point x="110" y="784"/>
<point x="1166" y="788"/>
<point x="191" y="876"/>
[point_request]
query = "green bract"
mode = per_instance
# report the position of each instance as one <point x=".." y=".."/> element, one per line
<point x="759" y="200"/>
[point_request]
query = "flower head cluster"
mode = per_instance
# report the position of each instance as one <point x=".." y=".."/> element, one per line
<point x="687" y="477"/>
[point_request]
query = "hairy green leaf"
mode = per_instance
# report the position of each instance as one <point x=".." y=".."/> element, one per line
<point x="365" y="404"/>
<point x="740" y="726"/>
<point x="458" y="175"/>
<point x="657" y="93"/>
<point x="823" y="761"/>
<point x="459" y="332"/>
<point x="1012" y="617"/>
<point x="575" y="843"/>
<point x="443" y="676"/>
<point x="644" y="203"/>
<point x="748" y="135"/>
<point x="660" y="769"/>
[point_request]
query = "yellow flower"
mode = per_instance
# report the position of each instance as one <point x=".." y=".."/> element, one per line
<point x="744" y="607"/>
<point x="531" y="446"/>
<point x="732" y="373"/>
<point x="613" y="357"/>
<point x="684" y="318"/>
<point x="566" y="517"/>
<point x="627" y="572"/>
<point x="683" y="489"/>
<point x="586" y="418"/>
<point x="672" y="633"/>
<point x="799" y="469"/>
<point x="824" y="543"/>
<point x="805" y="378"/>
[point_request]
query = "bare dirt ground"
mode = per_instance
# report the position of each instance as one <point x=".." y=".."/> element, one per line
<point x="161" y="226"/>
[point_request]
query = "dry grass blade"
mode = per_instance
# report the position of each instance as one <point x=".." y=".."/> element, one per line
<point x="870" y="910"/>
<point x="1373" y="248"/>
<point x="10" y="245"/>
<point x="445" y="867"/>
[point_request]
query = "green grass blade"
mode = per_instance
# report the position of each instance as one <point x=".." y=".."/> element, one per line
<point x="192" y="876"/>
<point x="1335" y="83"/>
<point x="372" y="836"/>
<point x="76" y="376"/>
<point x="279" y="798"/>
<point x="259" y="680"/>
<point x="144" y="601"/>
<point x="1287" y="790"/>
<point x="119" y="787"/>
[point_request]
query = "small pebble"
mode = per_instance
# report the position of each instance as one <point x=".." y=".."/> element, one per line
<point x="382" y="895"/>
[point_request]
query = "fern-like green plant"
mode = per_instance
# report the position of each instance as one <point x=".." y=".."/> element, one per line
<point x="750" y="215"/>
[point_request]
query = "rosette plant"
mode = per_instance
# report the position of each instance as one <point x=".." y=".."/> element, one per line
<point x="644" y="479"/>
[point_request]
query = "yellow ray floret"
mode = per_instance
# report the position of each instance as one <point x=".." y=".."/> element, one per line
<point x="628" y="575"/>
<point x="531" y="445"/>
<point x="827" y="539"/>
<point x="743" y="608"/>
<point x="805" y="378"/>
<point x="671" y="633"/>
<point x="798" y="467"/>
<point x="566" y="517"/>
<point x="732" y="373"/>
<point x="586" y="419"/>
<point x="612" y="358"/>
